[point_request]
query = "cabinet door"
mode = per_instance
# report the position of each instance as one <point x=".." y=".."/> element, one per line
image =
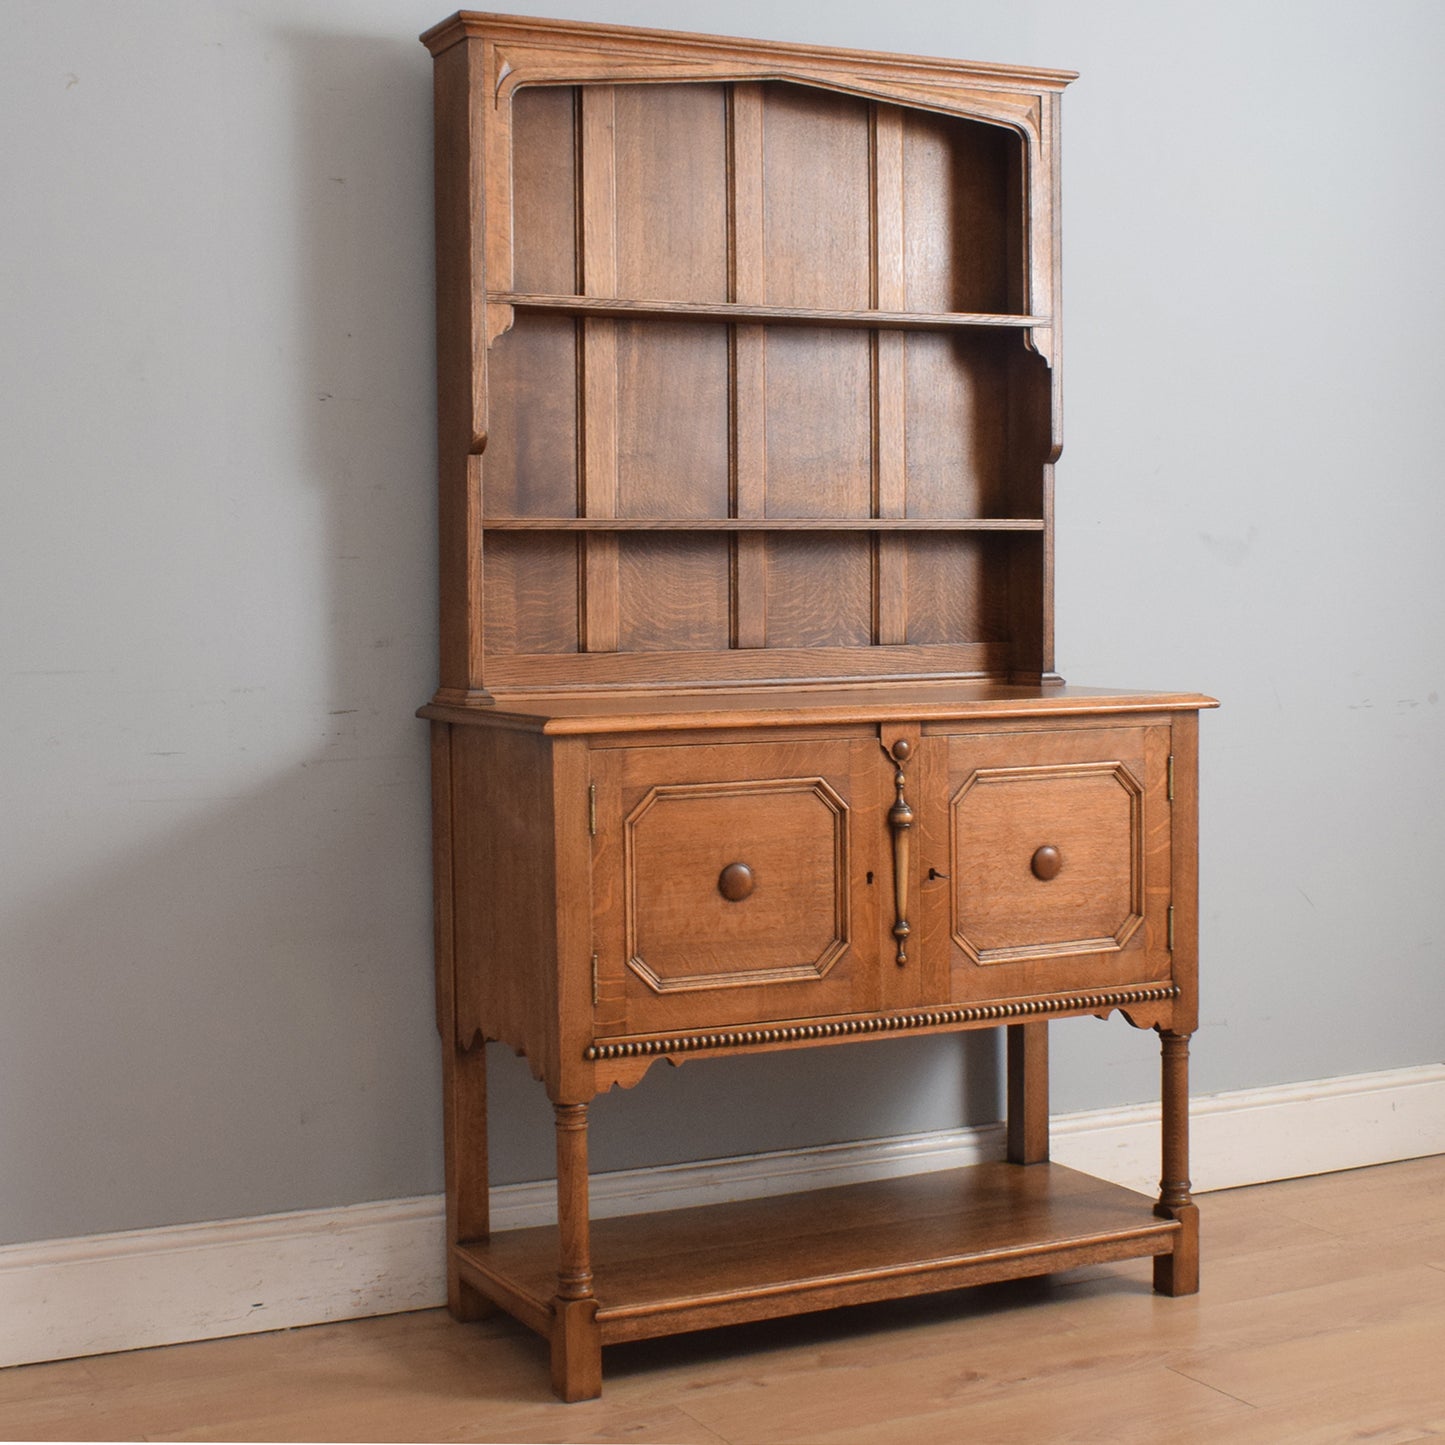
<point x="733" y="884"/>
<point x="1058" y="847"/>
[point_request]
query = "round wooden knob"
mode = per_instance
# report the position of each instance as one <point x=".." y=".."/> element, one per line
<point x="735" y="882"/>
<point x="901" y="750"/>
<point x="1046" y="863"/>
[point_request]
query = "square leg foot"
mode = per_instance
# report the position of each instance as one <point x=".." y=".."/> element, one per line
<point x="465" y="1304"/>
<point x="576" y="1351"/>
<point x="1177" y="1273"/>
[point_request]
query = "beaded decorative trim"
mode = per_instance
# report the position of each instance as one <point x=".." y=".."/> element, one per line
<point x="890" y="1024"/>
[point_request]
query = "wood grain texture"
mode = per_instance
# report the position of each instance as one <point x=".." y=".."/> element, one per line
<point x="573" y="1254"/>
<point x="530" y="465"/>
<point x="818" y="593"/>
<point x="1028" y="1092"/>
<point x="464" y="1069"/>
<point x="816" y="222"/>
<point x="780" y="665"/>
<point x="818" y="420"/>
<point x="576" y="1354"/>
<point x="672" y="192"/>
<point x="937" y="703"/>
<point x="749" y="365"/>
<point x="955" y="588"/>
<point x="544" y="207"/>
<point x="651" y="49"/>
<point x="666" y="309"/>
<point x="533" y="584"/>
<point x="959" y="216"/>
<point x="890" y="407"/>
<point x="1177" y="1274"/>
<point x="598" y="623"/>
<point x="503" y="847"/>
<point x="460" y="361"/>
<point x="673" y="593"/>
<point x="464" y="1116"/>
<point x="673" y="953"/>
<point x="1091" y="793"/>
<point x="1183" y="772"/>
<point x="721" y="1264"/>
<point x="672" y="421"/>
<point x="443" y="897"/>
<point x="957" y="392"/>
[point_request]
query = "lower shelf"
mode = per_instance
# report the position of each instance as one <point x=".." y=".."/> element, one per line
<point x="689" y="1269"/>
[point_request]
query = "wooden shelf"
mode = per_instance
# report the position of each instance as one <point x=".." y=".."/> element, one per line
<point x="756" y="1259"/>
<point x="626" y="307"/>
<point x="763" y="524"/>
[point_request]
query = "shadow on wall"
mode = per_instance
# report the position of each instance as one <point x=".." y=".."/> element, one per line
<point x="231" y="1013"/>
<point x="235" y="1017"/>
<point x="231" y="1020"/>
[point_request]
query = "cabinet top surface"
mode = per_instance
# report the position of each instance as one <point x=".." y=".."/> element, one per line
<point x="778" y="707"/>
<point x="467" y="24"/>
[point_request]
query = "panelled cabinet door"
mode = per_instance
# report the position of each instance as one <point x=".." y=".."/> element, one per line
<point x="732" y="884"/>
<point x="1058" y="847"/>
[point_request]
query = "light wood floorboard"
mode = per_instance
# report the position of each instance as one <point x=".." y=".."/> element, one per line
<point x="1322" y="1319"/>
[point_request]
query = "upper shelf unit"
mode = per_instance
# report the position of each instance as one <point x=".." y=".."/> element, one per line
<point x="744" y="351"/>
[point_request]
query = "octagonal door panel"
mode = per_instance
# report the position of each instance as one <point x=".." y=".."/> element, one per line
<point x="1059" y="860"/>
<point x="727" y="886"/>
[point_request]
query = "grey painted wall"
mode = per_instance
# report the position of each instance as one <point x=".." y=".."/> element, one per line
<point x="218" y="523"/>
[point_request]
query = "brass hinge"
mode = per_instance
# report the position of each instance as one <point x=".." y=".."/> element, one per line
<point x="592" y="808"/>
<point x="1171" y="929"/>
<point x="596" y="991"/>
<point x="1171" y="777"/>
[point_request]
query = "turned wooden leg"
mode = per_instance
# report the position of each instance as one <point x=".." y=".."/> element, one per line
<point x="1028" y="1092"/>
<point x="1177" y="1273"/>
<point x="464" y="1102"/>
<point x="576" y="1339"/>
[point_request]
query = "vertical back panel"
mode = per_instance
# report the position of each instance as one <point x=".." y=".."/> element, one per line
<point x="529" y="468"/>
<point x="672" y="419"/>
<point x="819" y="422"/>
<point x="957" y="225"/>
<point x="957" y="583"/>
<point x="672" y="204"/>
<point x="816" y="224"/>
<point x="673" y="592"/>
<point x="819" y="589"/>
<point x="819" y="439"/>
<point x="531" y="592"/>
<point x="957" y="410"/>
<point x="544" y="190"/>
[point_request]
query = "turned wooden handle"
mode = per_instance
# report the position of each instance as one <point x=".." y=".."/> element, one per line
<point x="1046" y="863"/>
<point x="735" y="882"/>
<point x="900" y="819"/>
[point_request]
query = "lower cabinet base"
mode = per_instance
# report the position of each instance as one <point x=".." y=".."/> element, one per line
<point x="692" y="1269"/>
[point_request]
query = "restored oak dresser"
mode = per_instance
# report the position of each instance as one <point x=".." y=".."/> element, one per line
<point x="748" y="735"/>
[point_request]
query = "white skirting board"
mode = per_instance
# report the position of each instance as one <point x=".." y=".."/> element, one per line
<point x="68" y="1297"/>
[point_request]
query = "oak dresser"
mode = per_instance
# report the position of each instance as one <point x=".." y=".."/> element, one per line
<point x="748" y="735"/>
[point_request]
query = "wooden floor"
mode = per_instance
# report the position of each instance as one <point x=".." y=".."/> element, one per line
<point x="1322" y="1319"/>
